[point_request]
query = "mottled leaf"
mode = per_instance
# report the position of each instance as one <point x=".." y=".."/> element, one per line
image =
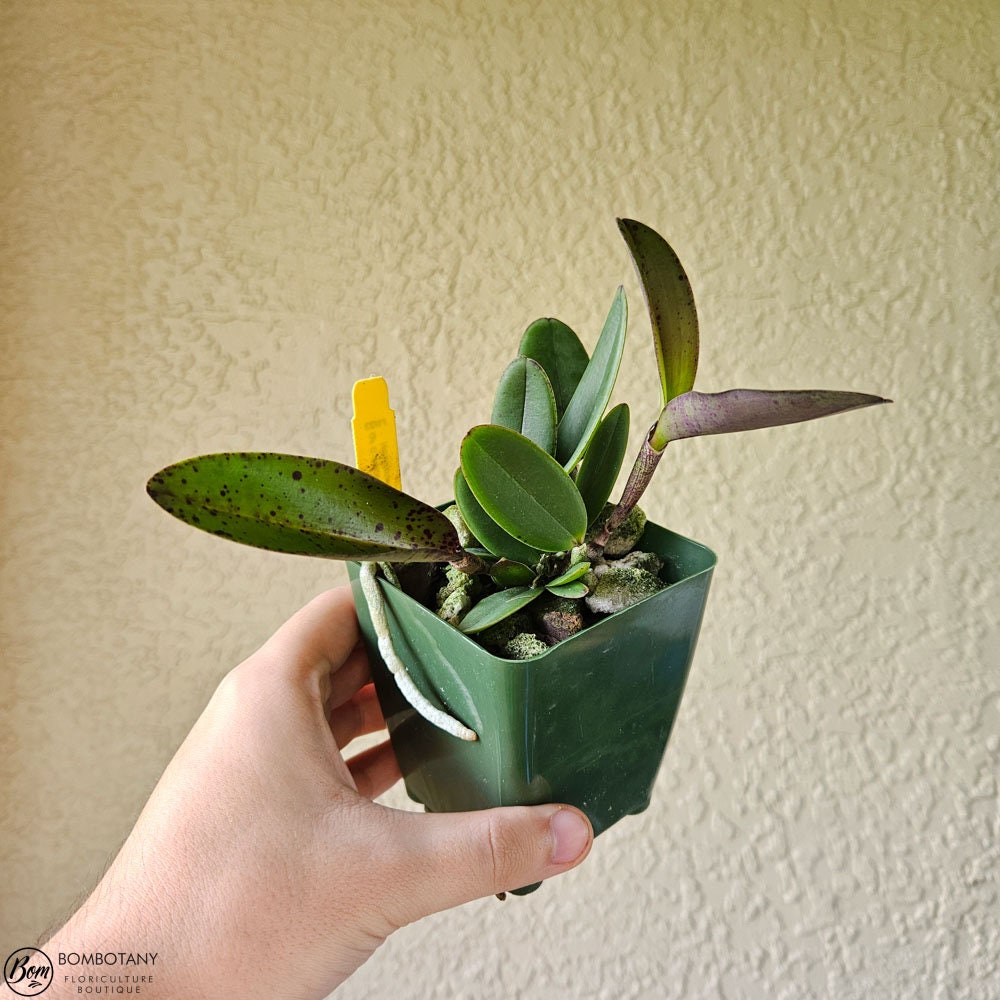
<point x="497" y="541"/>
<point x="558" y="350"/>
<point x="497" y="607"/>
<point x="586" y="408"/>
<point x="524" y="402"/>
<point x="671" y="306"/>
<point x="305" y="506"/>
<point x="523" y="489"/>
<point x="603" y="460"/>
<point x="694" y="414"/>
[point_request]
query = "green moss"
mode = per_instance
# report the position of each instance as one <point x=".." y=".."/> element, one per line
<point x="637" y="559"/>
<point x="620" y="588"/>
<point x="524" y="646"/>
<point x="497" y="636"/>
<point x="626" y="536"/>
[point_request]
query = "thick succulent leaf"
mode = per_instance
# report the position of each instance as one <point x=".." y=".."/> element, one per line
<point x="305" y="506"/>
<point x="523" y="489"/>
<point x="573" y="573"/>
<point x="603" y="460"/>
<point x="671" y="307"/>
<point x="586" y="408"/>
<point x="524" y="402"/>
<point x="563" y="358"/>
<point x="497" y="607"/>
<point x="497" y="541"/>
<point x="697" y="413"/>
<point x="571" y="590"/>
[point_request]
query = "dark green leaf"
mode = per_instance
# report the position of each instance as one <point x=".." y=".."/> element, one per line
<point x="523" y="489"/>
<point x="306" y="506"/>
<point x="498" y="606"/>
<point x="499" y="542"/>
<point x="524" y="403"/>
<point x="694" y="414"/>
<point x="511" y="574"/>
<point x="571" y="590"/>
<point x="586" y="408"/>
<point x="670" y="301"/>
<point x="603" y="460"/>
<point x="558" y="350"/>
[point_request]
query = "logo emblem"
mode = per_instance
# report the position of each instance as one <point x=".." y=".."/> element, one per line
<point x="28" y="972"/>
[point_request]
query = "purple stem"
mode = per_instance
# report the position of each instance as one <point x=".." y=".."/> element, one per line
<point x="642" y="472"/>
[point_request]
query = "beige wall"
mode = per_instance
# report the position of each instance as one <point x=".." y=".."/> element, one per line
<point x="215" y="216"/>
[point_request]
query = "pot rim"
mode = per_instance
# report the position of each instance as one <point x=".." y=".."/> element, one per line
<point x="585" y="634"/>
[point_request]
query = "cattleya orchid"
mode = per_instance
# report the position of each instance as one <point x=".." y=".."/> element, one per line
<point x="531" y="551"/>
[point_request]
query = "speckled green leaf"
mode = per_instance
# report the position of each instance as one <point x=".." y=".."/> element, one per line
<point x="524" y="402"/>
<point x="563" y="358"/>
<point x="694" y="414"/>
<point x="498" y="606"/>
<point x="670" y="300"/>
<point x="603" y="460"/>
<point x="494" y="538"/>
<point x="305" y="506"/>
<point x="523" y="489"/>
<point x="586" y="408"/>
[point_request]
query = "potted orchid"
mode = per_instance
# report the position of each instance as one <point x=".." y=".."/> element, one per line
<point x="529" y="639"/>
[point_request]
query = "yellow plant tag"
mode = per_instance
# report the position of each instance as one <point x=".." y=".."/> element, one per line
<point x="374" y="428"/>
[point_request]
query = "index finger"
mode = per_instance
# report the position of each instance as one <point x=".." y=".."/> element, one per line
<point x="317" y="639"/>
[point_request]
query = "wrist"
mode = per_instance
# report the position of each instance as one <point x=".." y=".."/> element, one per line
<point x="122" y="940"/>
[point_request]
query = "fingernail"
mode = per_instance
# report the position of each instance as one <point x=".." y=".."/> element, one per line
<point x="570" y="835"/>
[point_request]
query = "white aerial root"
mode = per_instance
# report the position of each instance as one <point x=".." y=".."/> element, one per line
<point x="409" y="690"/>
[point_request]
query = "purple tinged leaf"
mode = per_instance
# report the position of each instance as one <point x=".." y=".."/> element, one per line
<point x="670" y="301"/>
<point x="695" y="414"/>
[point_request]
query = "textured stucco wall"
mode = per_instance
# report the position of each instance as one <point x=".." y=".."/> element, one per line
<point x="214" y="217"/>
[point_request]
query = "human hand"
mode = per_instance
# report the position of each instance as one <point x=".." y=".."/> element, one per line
<point x="261" y="866"/>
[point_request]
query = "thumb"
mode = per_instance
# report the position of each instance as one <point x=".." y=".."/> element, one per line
<point x="453" y="858"/>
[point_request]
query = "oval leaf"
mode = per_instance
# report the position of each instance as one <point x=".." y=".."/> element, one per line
<point x="603" y="460"/>
<point x="524" y="402"/>
<point x="563" y="358"/>
<point x="571" y="590"/>
<point x="497" y="607"/>
<point x="670" y="301"/>
<point x="586" y="408"/>
<point x="694" y="414"/>
<point x="573" y="573"/>
<point x="497" y="541"/>
<point x="511" y="574"/>
<point x="305" y="506"/>
<point x="523" y="489"/>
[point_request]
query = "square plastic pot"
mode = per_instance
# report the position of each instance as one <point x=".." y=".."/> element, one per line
<point x="586" y="722"/>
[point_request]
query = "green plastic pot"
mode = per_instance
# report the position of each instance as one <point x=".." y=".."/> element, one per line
<point x="586" y="722"/>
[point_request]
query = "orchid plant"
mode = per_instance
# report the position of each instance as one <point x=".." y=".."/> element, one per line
<point x="531" y="551"/>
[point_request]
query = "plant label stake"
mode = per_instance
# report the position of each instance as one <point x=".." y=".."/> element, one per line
<point x="376" y="452"/>
<point x="374" y="428"/>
